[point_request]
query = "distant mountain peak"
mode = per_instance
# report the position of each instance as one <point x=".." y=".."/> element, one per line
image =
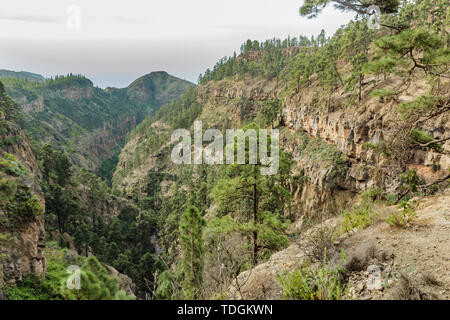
<point x="157" y="85"/>
<point x="21" y="75"/>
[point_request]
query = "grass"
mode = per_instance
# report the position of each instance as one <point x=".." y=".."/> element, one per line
<point x="8" y="189"/>
<point x="360" y="217"/>
<point x="403" y="217"/>
<point x="309" y="283"/>
<point x="33" y="287"/>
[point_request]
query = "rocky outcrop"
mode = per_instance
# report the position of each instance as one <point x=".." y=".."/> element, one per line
<point x="30" y="106"/>
<point x="125" y="283"/>
<point x="329" y="184"/>
<point x="21" y="227"/>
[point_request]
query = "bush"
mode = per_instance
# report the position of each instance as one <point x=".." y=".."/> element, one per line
<point x="359" y="217"/>
<point x="307" y="283"/>
<point x="407" y="289"/>
<point x="10" y="165"/>
<point x="373" y="194"/>
<point x="401" y="218"/>
<point x="32" y="287"/>
<point x="318" y="246"/>
<point x="422" y="137"/>
<point x="32" y="207"/>
<point x="96" y="284"/>
<point x="7" y="189"/>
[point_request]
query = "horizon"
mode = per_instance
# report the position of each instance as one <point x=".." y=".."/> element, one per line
<point x="114" y="47"/>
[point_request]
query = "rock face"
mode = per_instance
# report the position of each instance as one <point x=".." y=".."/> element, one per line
<point x="25" y="253"/>
<point x="335" y="162"/>
<point x="261" y="281"/>
<point x="125" y="283"/>
<point x="349" y="129"/>
<point x="327" y="140"/>
<point x="21" y="235"/>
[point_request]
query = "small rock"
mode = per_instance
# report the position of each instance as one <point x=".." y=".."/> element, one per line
<point x="360" y="287"/>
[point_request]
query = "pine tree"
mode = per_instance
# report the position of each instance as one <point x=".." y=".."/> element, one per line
<point x="312" y="8"/>
<point x="255" y="203"/>
<point x="191" y="240"/>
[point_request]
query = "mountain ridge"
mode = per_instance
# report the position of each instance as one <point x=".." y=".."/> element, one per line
<point x="69" y="111"/>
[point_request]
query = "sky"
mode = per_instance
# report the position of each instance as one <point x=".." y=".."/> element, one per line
<point x="114" y="42"/>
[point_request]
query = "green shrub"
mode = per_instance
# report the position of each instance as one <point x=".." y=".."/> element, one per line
<point x="307" y="283"/>
<point x="32" y="287"/>
<point x="401" y="218"/>
<point x="10" y="165"/>
<point x="373" y="194"/>
<point x="32" y="207"/>
<point x="410" y="180"/>
<point x="96" y="284"/>
<point x="383" y="93"/>
<point x="359" y="217"/>
<point x="7" y="238"/>
<point x="422" y="137"/>
<point x="8" y="189"/>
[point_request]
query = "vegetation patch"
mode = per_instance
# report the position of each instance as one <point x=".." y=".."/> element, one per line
<point x="402" y="217"/>
<point x="360" y="217"/>
<point x="312" y="283"/>
<point x="8" y="189"/>
<point x="95" y="283"/>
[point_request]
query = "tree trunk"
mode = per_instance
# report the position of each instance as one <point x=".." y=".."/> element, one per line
<point x="255" y="218"/>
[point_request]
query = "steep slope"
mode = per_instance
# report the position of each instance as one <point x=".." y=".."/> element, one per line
<point x="419" y="252"/>
<point x="355" y="113"/>
<point x="329" y="144"/>
<point x="21" y="200"/>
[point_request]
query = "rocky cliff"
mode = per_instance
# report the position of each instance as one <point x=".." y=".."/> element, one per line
<point x="22" y="201"/>
<point x="329" y="143"/>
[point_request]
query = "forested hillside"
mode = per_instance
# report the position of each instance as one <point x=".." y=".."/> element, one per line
<point x="87" y="122"/>
<point x="66" y="131"/>
<point x="21" y="75"/>
<point x="363" y="112"/>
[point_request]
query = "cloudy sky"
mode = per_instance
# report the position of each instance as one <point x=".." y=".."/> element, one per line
<point x="118" y="41"/>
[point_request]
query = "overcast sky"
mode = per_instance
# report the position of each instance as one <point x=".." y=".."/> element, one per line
<point x="119" y="41"/>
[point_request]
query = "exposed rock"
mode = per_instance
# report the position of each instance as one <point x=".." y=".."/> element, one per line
<point x="125" y="283"/>
<point x="22" y="244"/>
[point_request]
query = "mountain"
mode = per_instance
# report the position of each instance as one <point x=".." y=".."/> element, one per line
<point x="364" y="133"/>
<point x="21" y="75"/>
<point x="158" y="86"/>
<point x="358" y="208"/>
<point x="87" y="122"/>
<point x="22" y="201"/>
